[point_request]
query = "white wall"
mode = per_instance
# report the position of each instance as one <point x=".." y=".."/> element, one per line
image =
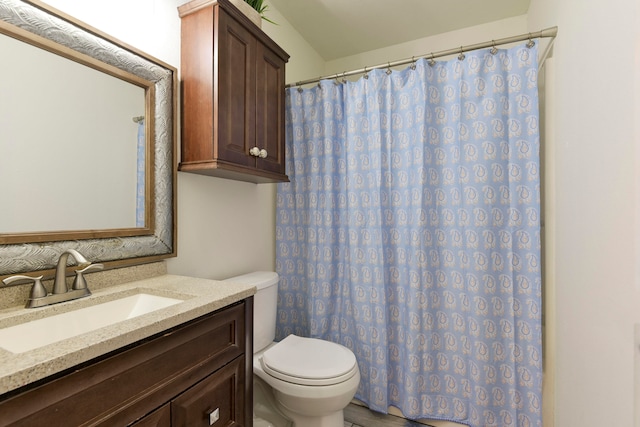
<point x="152" y="26"/>
<point x="481" y="33"/>
<point x="594" y="163"/>
<point x="305" y="62"/>
<point x="224" y="227"/>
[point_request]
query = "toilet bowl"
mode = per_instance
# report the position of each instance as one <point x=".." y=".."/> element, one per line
<point x="304" y="382"/>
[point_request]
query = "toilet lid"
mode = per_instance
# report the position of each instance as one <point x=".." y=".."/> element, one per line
<point x="309" y="361"/>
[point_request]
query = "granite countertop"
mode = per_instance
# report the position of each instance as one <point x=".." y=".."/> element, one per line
<point x="201" y="296"/>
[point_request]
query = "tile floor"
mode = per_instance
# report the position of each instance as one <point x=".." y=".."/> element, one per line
<point x="359" y="416"/>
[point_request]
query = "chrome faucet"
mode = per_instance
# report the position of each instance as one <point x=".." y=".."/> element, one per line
<point x="39" y="296"/>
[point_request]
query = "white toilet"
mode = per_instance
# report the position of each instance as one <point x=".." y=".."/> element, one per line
<point x="299" y="382"/>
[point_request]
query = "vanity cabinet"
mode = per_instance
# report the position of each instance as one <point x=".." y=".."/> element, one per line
<point x="197" y="374"/>
<point x="233" y="95"/>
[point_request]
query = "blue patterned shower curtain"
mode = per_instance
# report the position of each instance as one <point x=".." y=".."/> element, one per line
<point x="410" y="233"/>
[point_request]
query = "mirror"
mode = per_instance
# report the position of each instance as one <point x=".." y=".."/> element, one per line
<point x="87" y="144"/>
<point x="80" y="155"/>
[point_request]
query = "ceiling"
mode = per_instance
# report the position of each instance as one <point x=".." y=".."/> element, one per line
<point x="340" y="28"/>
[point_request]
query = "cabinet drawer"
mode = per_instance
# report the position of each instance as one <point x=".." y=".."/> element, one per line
<point x="130" y="383"/>
<point x="158" y="418"/>
<point x="214" y="401"/>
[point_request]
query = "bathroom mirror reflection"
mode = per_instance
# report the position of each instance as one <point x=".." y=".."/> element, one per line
<point x="113" y="155"/>
<point x="73" y="141"/>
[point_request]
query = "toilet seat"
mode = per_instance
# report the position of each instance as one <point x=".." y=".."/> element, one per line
<point x="309" y="361"/>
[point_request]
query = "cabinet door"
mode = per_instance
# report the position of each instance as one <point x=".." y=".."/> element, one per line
<point x="235" y="121"/>
<point x="218" y="400"/>
<point x="270" y="109"/>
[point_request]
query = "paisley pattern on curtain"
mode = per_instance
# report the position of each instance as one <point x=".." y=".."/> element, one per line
<point x="410" y="233"/>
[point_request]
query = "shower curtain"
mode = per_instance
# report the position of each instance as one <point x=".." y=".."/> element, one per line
<point x="410" y="234"/>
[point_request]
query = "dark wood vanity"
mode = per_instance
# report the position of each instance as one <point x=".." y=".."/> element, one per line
<point x="195" y="374"/>
<point x="233" y="89"/>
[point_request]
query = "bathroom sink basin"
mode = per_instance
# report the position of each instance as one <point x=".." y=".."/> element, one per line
<point x="38" y="333"/>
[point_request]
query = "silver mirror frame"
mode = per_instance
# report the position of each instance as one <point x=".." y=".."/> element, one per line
<point x="36" y="18"/>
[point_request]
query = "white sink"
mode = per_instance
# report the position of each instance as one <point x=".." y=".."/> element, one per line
<point x="38" y="333"/>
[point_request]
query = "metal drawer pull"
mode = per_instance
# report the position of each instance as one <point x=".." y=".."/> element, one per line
<point x="214" y="416"/>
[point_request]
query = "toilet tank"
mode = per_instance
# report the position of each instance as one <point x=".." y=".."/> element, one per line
<point x="265" y="304"/>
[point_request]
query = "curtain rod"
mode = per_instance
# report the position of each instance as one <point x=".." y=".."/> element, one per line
<point x="546" y="33"/>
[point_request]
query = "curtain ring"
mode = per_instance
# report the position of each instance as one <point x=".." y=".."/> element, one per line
<point x="530" y="43"/>
<point x="299" y="88"/>
<point x="366" y="73"/>
<point x="388" y="68"/>
<point x="461" y="56"/>
<point x="494" y="49"/>
<point x="413" y="62"/>
<point x="432" y="60"/>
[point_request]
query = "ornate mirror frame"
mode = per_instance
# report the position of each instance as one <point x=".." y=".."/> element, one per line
<point x="157" y="240"/>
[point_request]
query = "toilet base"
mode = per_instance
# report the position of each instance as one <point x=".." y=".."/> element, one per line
<point x="335" y="419"/>
<point x="265" y="407"/>
<point x="259" y="422"/>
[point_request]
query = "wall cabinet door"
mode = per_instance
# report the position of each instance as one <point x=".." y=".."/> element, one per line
<point x="233" y="88"/>
<point x="236" y="130"/>
<point x="270" y="109"/>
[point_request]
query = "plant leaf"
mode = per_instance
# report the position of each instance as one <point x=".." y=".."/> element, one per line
<point x="261" y="7"/>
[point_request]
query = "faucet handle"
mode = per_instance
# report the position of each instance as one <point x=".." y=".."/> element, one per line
<point x="80" y="282"/>
<point x="37" y="290"/>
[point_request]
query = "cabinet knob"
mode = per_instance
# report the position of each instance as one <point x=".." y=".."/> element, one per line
<point x="263" y="154"/>
<point x="214" y="416"/>
<point x="255" y="151"/>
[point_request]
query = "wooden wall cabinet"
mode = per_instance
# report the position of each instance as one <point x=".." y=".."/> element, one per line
<point x="178" y="378"/>
<point x="233" y="89"/>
